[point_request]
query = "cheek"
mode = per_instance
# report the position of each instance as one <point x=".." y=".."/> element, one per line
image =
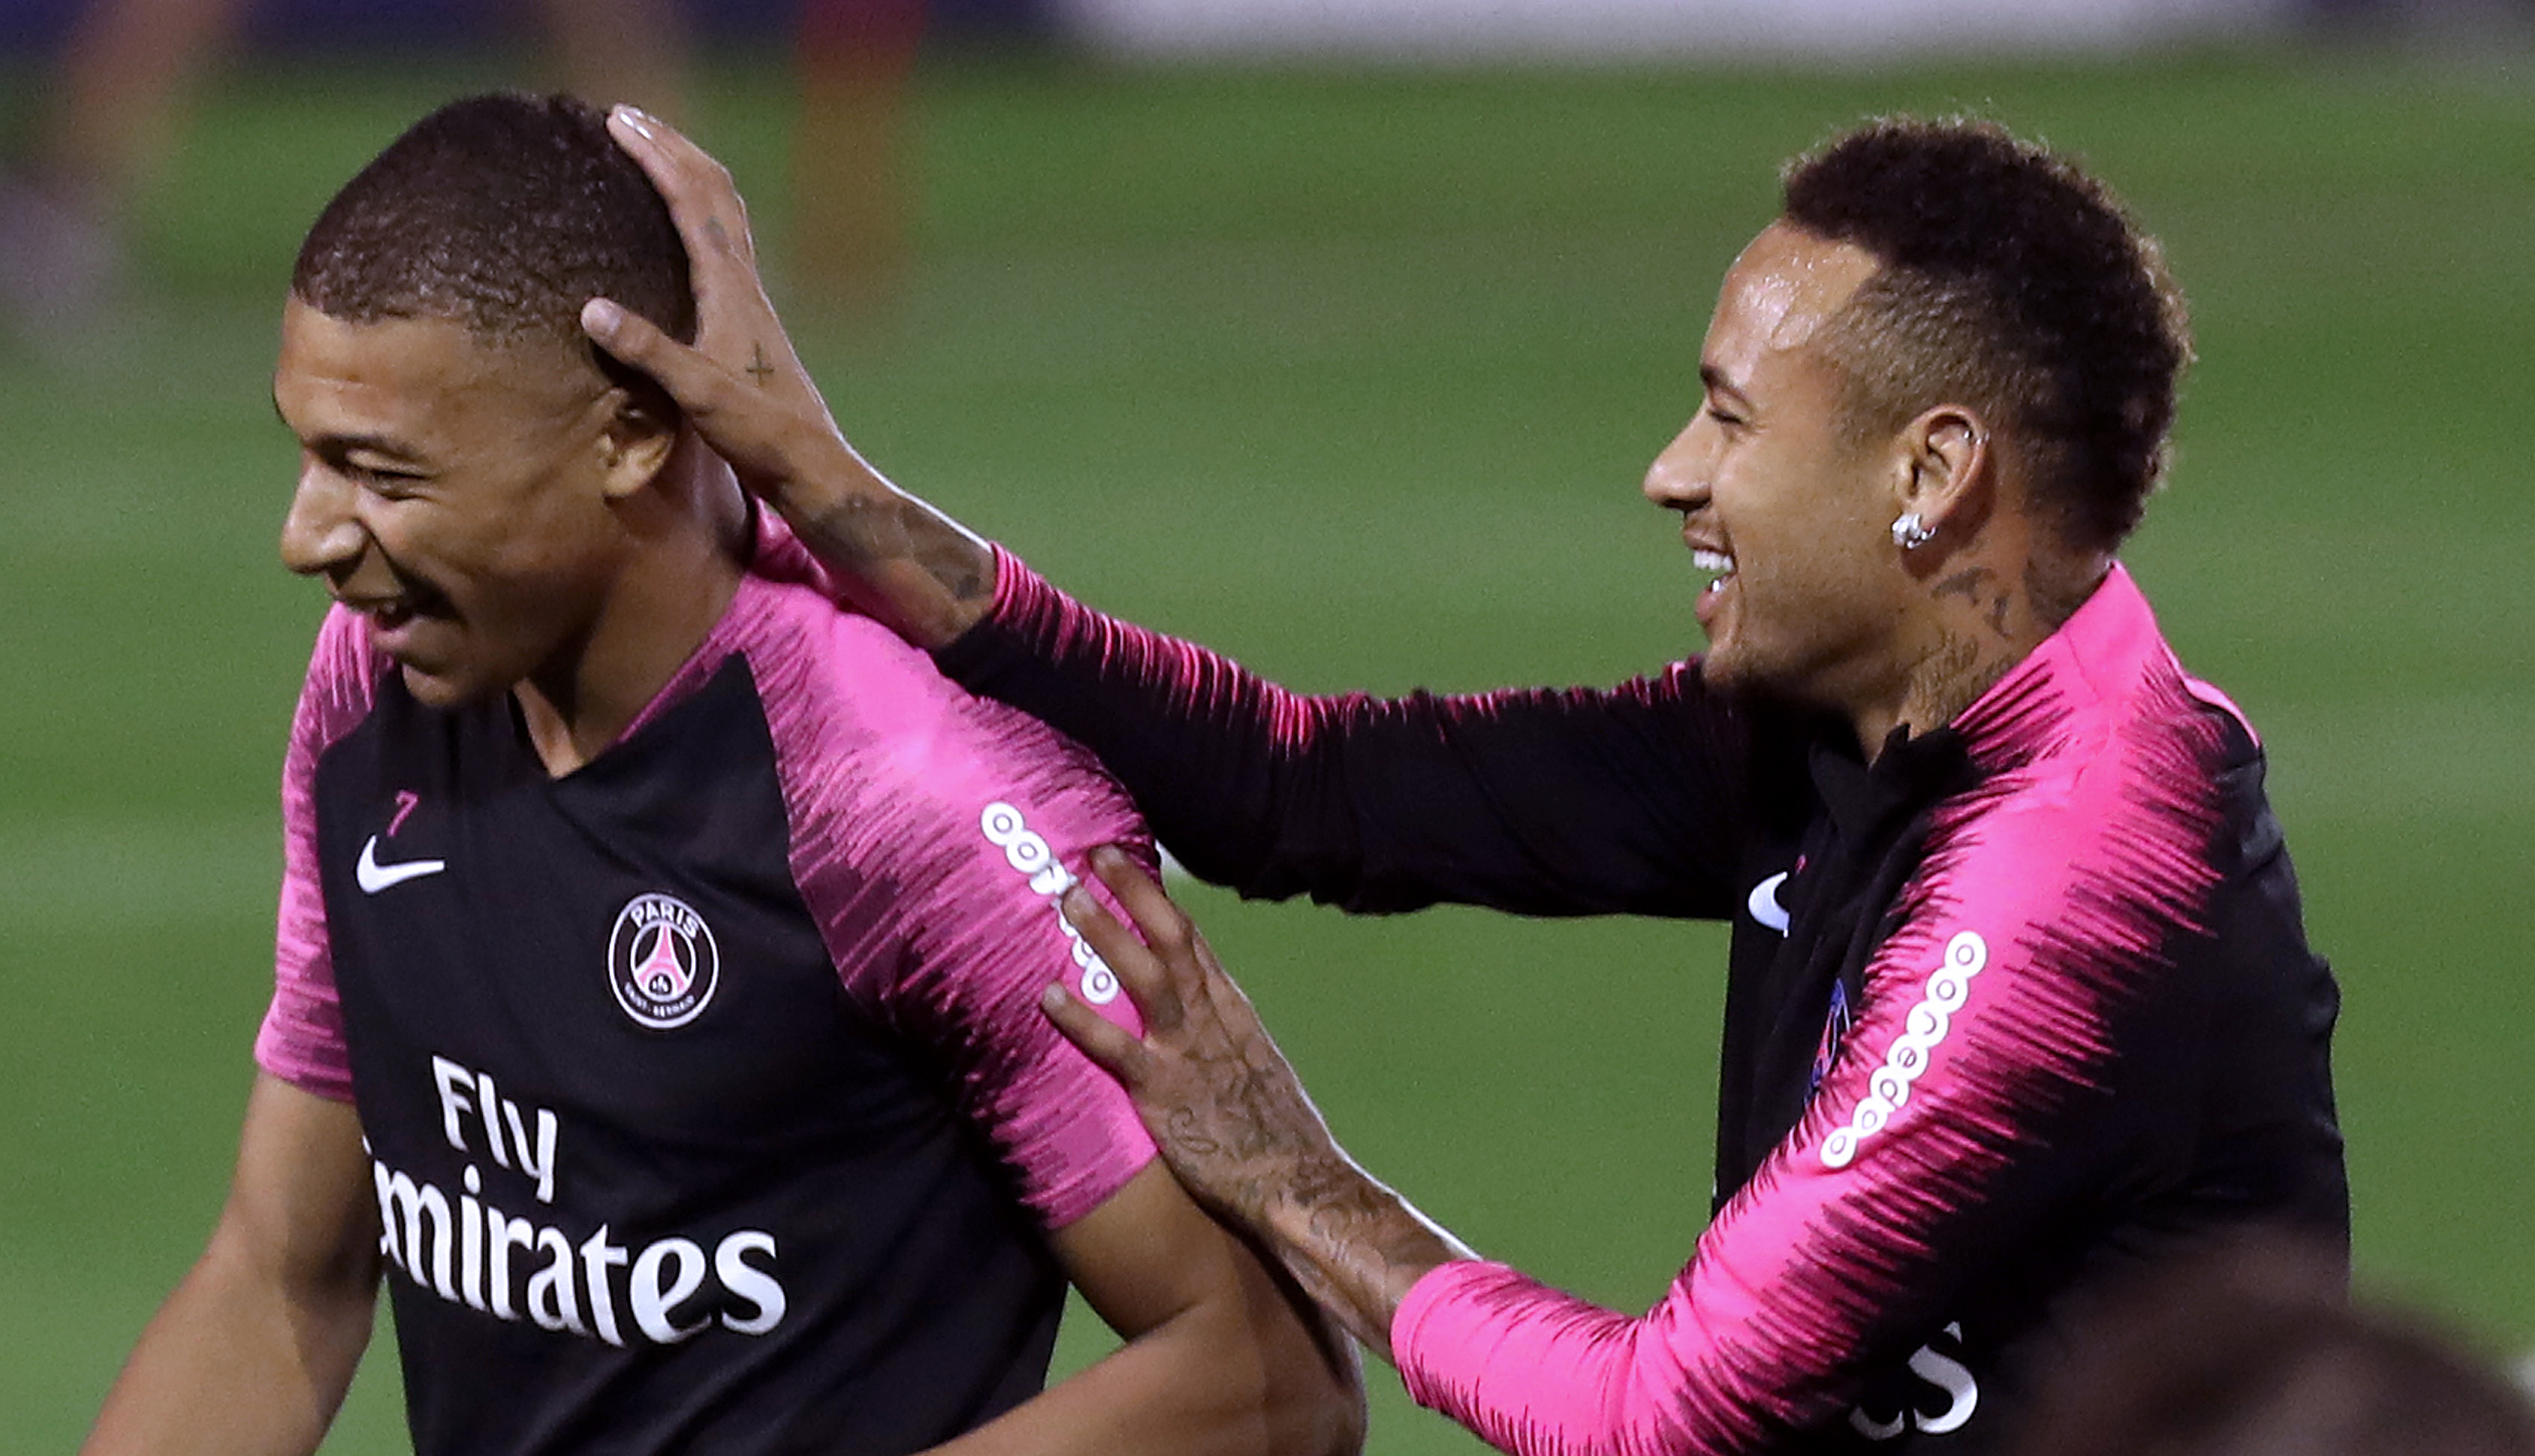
<point x="551" y="531"/>
<point x="1763" y="501"/>
<point x="1826" y="507"/>
<point x="1797" y="534"/>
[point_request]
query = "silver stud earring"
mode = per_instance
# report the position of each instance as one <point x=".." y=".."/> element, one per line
<point x="1910" y="533"/>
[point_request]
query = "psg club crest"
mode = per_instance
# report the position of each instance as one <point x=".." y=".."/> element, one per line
<point x="661" y="962"/>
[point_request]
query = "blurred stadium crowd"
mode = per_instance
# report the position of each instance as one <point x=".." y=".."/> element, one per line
<point x="120" y="72"/>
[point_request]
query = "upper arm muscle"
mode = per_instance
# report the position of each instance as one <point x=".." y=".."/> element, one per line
<point x="1147" y="1252"/>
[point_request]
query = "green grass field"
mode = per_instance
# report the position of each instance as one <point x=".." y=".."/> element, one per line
<point x="1354" y="373"/>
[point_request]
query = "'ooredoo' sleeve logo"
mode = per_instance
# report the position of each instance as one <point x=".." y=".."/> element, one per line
<point x="1030" y="855"/>
<point x="1949" y="987"/>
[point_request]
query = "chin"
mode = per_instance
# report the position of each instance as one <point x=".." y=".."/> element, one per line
<point x="1730" y="675"/>
<point x="1723" y="672"/>
<point x="434" y="689"/>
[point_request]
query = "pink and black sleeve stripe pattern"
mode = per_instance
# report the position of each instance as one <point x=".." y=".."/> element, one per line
<point x="301" y="1040"/>
<point x="1960" y="1116"/>
<point x="932" y="835"/>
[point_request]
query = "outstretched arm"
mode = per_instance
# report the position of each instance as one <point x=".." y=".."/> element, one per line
<point x="253" y="1351"/>
<point x="1965" y="1106"/>
<point x="1539" y="802"/>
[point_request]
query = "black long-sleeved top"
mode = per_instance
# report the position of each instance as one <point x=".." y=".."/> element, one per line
<point x="2020" y="1004"/>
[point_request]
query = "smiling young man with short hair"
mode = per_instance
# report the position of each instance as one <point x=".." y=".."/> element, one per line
<point x="2020" y="998"/>
<point x="661" y="951"/>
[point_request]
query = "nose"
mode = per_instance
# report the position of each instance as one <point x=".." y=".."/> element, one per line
<point x="321" y="535"/>
<point x="1678" y="480"/>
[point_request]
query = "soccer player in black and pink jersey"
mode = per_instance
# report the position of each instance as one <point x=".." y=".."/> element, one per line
<point x="661" y="951"/>
<point x="2020" y="995"/>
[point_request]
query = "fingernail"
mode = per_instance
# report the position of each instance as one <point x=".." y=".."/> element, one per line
<point x="1054" y="998"/>
<point x="601" y="318"/>
<point x="636" y="118"/>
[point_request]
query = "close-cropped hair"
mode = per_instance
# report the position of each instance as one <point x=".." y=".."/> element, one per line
<point x="2014" y="284"/>
<point x="504" y="214"/>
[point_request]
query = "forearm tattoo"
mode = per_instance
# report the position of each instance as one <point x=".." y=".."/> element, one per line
<point x="865" y="533"/>
<point x="1354" y="1246"/>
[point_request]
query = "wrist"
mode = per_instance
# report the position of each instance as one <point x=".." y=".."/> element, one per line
<point x="819" y="479"/>
<point x="894" y="557"/>
<point x="1351" y="1241"/>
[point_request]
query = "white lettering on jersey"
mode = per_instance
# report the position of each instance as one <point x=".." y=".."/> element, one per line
<point x="1028" y="854"/>
<point x="1944" y="1374"/>
<point x="468" y="1093"/>
<point x="653" y="1304"/>
<point x="749" y="1282"/>
<point x="470" y="1252"/>
<point x="1949" y="988"/>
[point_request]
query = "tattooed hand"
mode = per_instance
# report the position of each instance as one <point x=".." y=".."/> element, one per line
<point x="744" y="389"/>
<point x="1232" y="1118"/>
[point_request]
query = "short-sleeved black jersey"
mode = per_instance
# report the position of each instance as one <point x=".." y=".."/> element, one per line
<point x="708" y="1096"/>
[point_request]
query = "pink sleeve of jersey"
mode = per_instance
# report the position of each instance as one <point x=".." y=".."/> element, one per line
<point x="302" y="1038"/>
<point x="933" y="835"/>
<point x="989" y="938"/>
<point x="2026" y="932"/>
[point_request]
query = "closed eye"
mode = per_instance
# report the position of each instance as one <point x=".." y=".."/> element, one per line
<point x="361" y="465"/>
<point x="1718" y="391"/>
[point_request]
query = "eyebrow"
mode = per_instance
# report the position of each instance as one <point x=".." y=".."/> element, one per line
<point x="343" y="445"/>
<point x="1717" y="383"/>
<point x="340" y="445"/>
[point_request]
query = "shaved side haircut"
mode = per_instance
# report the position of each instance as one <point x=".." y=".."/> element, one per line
<point x="2011" y="283"/>
<point x="503" y="213"/>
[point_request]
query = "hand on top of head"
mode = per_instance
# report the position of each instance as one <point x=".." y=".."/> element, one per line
<point x="740" y="383"/>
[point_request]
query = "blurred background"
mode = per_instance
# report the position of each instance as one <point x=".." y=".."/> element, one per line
<point x="1336" y="335"/>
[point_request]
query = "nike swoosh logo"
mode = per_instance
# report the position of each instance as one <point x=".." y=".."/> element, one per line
<point x="1764" y="906"/>
<point x="375" y="876"/>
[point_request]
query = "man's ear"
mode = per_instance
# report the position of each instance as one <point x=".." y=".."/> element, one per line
<point x="641" y="435"/>
<point x="1948" y="471"/>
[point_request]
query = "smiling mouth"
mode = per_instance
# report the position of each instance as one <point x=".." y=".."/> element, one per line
<point x="384" y="612"/>
<point x="1713" y="561"/>
<point x="391" y="610"/>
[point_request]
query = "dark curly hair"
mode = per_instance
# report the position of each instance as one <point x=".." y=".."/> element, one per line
<point x="2011" y="283"/>
<point x="505" y="214"/>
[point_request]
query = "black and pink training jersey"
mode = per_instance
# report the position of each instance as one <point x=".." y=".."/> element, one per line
<point x="710" y="1103"/>
<point x="2023" y="1002"/>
